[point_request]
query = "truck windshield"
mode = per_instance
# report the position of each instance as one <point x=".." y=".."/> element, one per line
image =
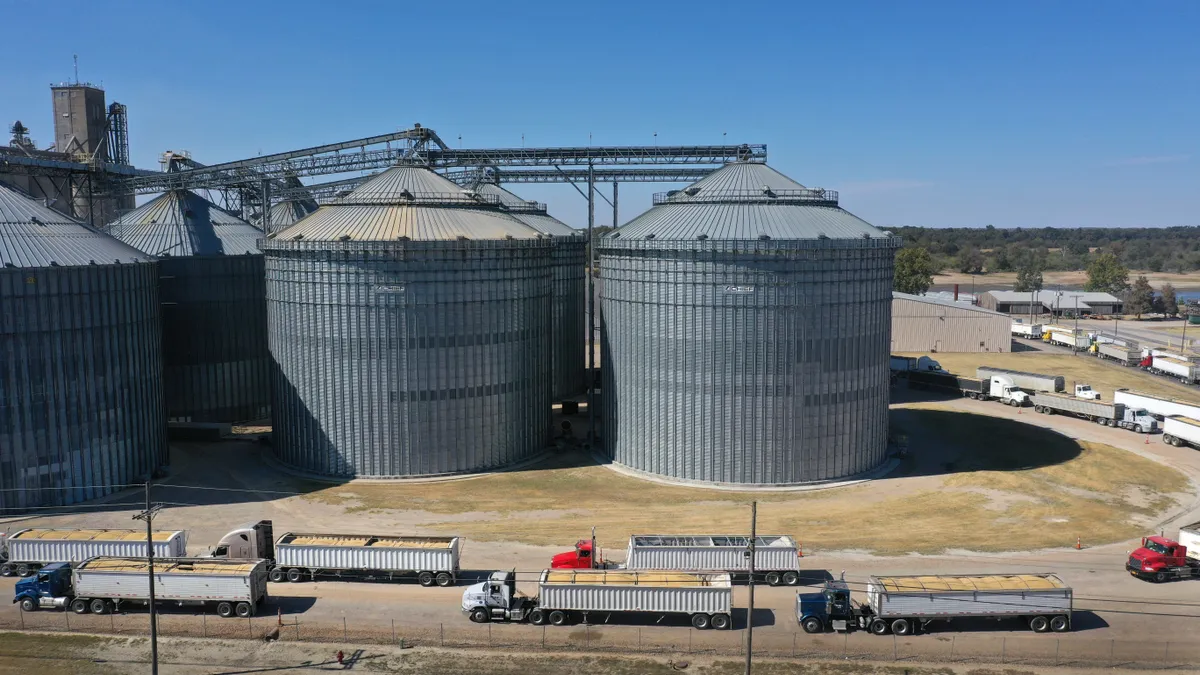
<point x="1140" y="413"/>
<point x="1157" y="547"/>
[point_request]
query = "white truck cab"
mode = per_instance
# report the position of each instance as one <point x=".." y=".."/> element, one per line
<point x="496" y="599"/>
<point x="1003" y="388"/>
<point x="1086" y="391"/>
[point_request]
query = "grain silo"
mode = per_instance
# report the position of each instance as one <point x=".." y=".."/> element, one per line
<point x="745" y="334"/>
<point x="215" y="361"/>
<point x="81" y="402"/>
<point x="286" y="213"/>
<point x="410" y="328"/>
<point x="568" y="347"/>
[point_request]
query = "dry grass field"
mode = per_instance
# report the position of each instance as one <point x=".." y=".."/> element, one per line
<point x="1075" y="279"/>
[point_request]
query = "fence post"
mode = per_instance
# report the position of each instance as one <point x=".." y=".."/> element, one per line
<point x="67" y="617"/>
<point x="489" y="634"/>
<point x="587" y="635"/>
<point x="393" y="631"/>
<point x="543" y="636"/>
<point x="689" y="639"/>
<point x="1003" y="645"/>
<point x="344" y="631"/>
<point x="846" y="644"/>
<point x="896" y="648"/>
<point x="297" y="629"/>
<point x="793" y="645"/>
<point x="1057" y="644"/>
<point x="1166" y="651"/>
<point x="21" y="613"/>
<point x="250" y="627"/>
<point x="639" y="638"/>
<point x="952" y="638"/>
<point x="1112" y="648"/>
<point x="112" y="623"/>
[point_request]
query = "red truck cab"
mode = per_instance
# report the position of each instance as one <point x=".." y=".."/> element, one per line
<point x="1159" y="559"/>
<point x="579" y="559"/>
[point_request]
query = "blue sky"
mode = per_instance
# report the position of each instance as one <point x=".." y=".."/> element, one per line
<point x="920" y="113"/>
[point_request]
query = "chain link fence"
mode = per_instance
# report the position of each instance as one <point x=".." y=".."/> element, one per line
<point x="1030" y="649"/>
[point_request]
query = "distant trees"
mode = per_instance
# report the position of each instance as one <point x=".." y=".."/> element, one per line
<point x="1141" y="297"/>
<point x="1029" y="274"/>
<point x="970" y="260"/>
<point x="1106" y="274"/>
<point x="1168" y="304"/>
<point x="914" y="270"/>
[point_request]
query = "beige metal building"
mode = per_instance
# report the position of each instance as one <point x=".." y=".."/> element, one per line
<point x="921" y="324"/>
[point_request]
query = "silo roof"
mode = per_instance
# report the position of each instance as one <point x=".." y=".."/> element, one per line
<point x="34" y="235"/>
<point x="286" y="213"/>
<point x="745" y="201"/>
<point x="532" y="214"/>
<point x="409" y="202"/>
<point x="181" y="223"/>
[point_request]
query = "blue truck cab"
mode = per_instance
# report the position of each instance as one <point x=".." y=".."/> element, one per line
<point x="830" y="608"/>
<point x="49" y="588"/>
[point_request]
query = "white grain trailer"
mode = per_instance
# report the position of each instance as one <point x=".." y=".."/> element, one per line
<point x="431" y="560"/>
<point x="1126" y="356"/>
<point x="776" y="557"/>
<point x="1184" y="371"/>
<point x="1028" y="381"/>
<point x="31" y="549"/>
<point x="903" y="604"/>
<point x="1180" y="431"/>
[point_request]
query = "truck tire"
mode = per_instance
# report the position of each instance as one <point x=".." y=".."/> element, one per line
<point x="1177" y="442"/>
<point x="1112" y="424"/>
<point x="1039" y="624"/>
<point x="878" y="627"/>
<point x="1160" y="576"/>
<point x="720" y="621"/>
<point x="99" y="606"/>
<point x="1059" y="624"/>
<point x="812" y="625"/>
<point x="701" y="621"/>
<point x="791" y="578"/>
<point x="901" y="627"/>
<point x="294" y="575"/>
<point x="79" y="606"/>
<point x="224" y="609"/>
<point x="537" y="617"/>
<point x="425" y="579"/>
<point x="480" y="615"/>
<point x="276" y="574"/>
<point x="6" y="570"/>
<point x="558" y="618"/>
<point x="23" y="570"/>
<point x="772" y="578"/>
<point x="444" y="579"/>
<point x="244" y="610"/>
<point x="28" y="605"/>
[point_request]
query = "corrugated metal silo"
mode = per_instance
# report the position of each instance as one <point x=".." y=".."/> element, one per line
<point x="745" y="334"/>
<point x="81" y="400"/>
<point x="284" y="214"/>
<point x="409" y="326"/>
<point x="569" y="348"/>
<point x="216" y="366"/>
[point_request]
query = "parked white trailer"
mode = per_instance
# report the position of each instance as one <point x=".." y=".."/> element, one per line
<point x="1109" y="338"/>
<point x="1180" y="431"/>
<point x="1184" y="371"/>
<point x="1032" y="331"/>
<point x="776" y="557"/>
<point x="31" y="549"/>
<point x="1126" y="356"/>
<point x="907" y="364"/>
<point x="104" y="585"/>
<point x="1070" y="338"/>
<point x="1024" y="380"/>
<point x="1158" y="406"/>
<point x="432" y="560"/>
<point x="567" y="596"/>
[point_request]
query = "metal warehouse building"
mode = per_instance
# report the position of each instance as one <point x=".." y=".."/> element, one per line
<point x="81" y="398"/>
<point x="745" y="334"/>
<point x="921" y="324"/>
<point x="1052" y="302"/>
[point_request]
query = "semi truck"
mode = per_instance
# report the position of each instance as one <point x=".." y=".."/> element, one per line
<point x="1077" y="340"/>
<point x="902" y="365"/>
<point x="1180" y="369"/>
<point x="296" y="556"/>
<point x="31" y="549"/>
<point x="1032" y="331"/>
<point x="1180" y="431"/>
<point x="1024" y="380"/>
<point x="1126" y="356"/>
<point x="1086" y="391"/>
<point x="104" y="585"/>
<point x="903" y="605"/>
<point x="994" y="388"/>
<point x="776" y="557"/>
<point x="568" y="596"/>
<point x="1158" y="406"/>
<point x="1108" y="338"/>
<point x="1161" y="559"/>
<point x="1109" y="414"/>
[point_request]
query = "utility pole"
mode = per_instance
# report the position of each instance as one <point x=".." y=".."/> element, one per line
<point x="148" y="516"/>
<point x="750" y="605"/>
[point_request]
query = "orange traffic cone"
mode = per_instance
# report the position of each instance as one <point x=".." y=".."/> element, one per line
<point x="1147" y="439"/>
<point x="280" y="616"/>
<point x="799" y="549"/>
<point x="1078" y="543"/>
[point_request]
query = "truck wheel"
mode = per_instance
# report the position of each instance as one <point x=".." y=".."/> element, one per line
<point x="480" y="615"/>
<point x="813" y="625"/>
<point x="444" y="579"/>
<point x="425" y="579"/>
<point x="772" y="578"/>
<point x="276" y="574"/>
<point x="1039" y="624"/>
<point x="700" y="621"/>
<point x="28" y="605"/>
<point x="23" y="570"/>
<point x="79" y="606"/>
<point x="99" y="606"/>
<point x="224" y="609"/>
<point x="901" y="627"/>
<point x="558" y="618"/>
<point x="1112" y="423"/>
<point x="294" y="575"/>
<point x="1059" y="624"/>
<point x="1160" y="576"/>
<point x="244" y="609"/>
<point x="720" y="621"/>
<point x="6" y="570"/>
<point x="791" y="578"/>
<point x="537" y="617"/>
<point x="879" y="627"/>
<point x="1177" y="442"/>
